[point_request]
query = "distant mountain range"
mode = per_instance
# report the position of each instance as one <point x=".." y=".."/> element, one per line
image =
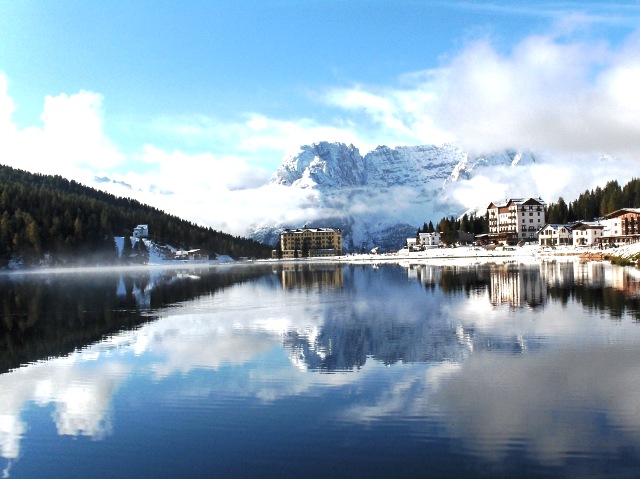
<point x="381" y="198"/>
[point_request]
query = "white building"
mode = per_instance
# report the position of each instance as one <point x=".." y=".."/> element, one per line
<point x="517" y="219"/>
<point x="141" y="231"/>
<point x="555" y="235"/>
<point x="622" y="226"/>
<point x="587" y="233"/>
<point x="412" y="243"/>
<point x="429" y="239"/>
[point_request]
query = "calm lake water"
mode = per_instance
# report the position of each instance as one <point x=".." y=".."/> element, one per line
<point x="484" y="370"/>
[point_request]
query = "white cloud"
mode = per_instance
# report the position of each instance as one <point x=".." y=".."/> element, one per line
<point x="553" y="176"/>
<point x="71" y="137"/>
<point x="547" y="93"/>
<point x="400" y="117"/>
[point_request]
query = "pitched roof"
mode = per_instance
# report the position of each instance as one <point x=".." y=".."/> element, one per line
<point x="584" y="225"/>
<point x="518" y="201"/>
<point x="621" y="212"/>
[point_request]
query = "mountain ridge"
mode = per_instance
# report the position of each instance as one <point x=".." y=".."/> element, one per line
<point x="381" y="198"/>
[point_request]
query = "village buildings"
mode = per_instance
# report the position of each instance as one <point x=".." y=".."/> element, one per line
<point x="516" y="221"/>
<point x="617" y="228"/>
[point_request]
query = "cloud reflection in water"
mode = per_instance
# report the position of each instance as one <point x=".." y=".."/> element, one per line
<point x="554" y="377"/>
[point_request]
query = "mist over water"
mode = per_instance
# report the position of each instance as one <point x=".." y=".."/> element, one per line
<point x="281" y="370"/>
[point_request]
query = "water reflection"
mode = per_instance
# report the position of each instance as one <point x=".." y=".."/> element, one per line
<point x="597" y="285"/>
<point x="48" y="315"/>
<point x="309" y="276"/>
<point x="504" y="358"/>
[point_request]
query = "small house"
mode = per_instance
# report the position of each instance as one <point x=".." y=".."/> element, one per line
<point x="587" y="233"/>
<point x="555" y="235"/>
<point x="429" y="239"/>
<point x="141" y="231"/>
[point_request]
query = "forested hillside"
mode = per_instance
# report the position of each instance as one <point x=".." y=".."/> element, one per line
<point x="49" y="215"/>
<point x="595" y="203"/>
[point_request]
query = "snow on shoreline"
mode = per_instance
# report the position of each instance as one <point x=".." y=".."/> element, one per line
<point x="461" y="255"/>
<point x="475" y="254"/>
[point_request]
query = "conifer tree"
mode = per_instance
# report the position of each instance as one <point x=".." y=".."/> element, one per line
<point x="127" y="248"/>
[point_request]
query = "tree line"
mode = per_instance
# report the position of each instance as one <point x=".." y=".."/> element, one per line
<point x="595" y="203"/>
<point x="50" y="215"/>
<point x="449" y="227"/>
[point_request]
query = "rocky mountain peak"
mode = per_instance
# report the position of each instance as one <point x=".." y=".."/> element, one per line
<point x="380" y="198"/>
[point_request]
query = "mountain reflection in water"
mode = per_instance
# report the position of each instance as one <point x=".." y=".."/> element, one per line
<point x="469" y="369"/>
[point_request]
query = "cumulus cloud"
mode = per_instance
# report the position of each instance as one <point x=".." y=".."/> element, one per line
<point x="399" y="116"/>
<point x="71" y="137"/>
<point x="547" y="93"/>
<point x="551" y="177"/>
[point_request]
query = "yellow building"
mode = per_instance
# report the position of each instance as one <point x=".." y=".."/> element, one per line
<point x="310" y="242"/>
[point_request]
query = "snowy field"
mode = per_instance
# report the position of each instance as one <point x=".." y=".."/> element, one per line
<point x="474" y="254"/>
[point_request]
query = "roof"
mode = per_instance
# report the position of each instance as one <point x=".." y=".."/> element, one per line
<point x="556" y="226"/>
<point x="621" y="212"/>
<point x="185" y="252"/>
<point x="585" y="225"/>
<point x="518" y="201"/>
<point x="317" y="230"/>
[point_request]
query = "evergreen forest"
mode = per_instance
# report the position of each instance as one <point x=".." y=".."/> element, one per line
<point x="597" y="203"/>
<point x="48" y="216"/>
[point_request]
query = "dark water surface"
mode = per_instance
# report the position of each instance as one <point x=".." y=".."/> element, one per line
<point x="484" y="370"/>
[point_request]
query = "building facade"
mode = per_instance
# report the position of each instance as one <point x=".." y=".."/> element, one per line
<point x="309" y="242"/>
<point x="623" y="226"/>
<point x="429" y="239"/>
<point x="587" y="233"/>
<point x="555" y="235"/>
<point x="516" y="220"/>
<point x="141" y="231"/>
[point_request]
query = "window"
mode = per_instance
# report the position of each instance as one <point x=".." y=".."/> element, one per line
<point x="531" y="220"/>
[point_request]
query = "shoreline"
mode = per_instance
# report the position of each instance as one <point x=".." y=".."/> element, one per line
<point x="462" y="254"/>
<point x="473" y="254"/>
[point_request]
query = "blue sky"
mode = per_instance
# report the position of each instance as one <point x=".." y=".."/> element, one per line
<point x="130" y="90"/>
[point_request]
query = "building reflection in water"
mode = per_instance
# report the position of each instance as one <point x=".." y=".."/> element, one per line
<point x="304" y="276"/>
<point x="520" y="285"/>
<point x="517" y="286"/>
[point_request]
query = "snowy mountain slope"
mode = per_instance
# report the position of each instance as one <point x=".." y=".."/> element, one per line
<point x="381" y="198"/>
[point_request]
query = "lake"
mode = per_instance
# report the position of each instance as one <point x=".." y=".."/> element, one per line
<point x="322" y="370"/>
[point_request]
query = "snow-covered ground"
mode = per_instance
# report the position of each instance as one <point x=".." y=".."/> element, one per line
<point x="626" y="251"/>
<point x="460" y="255"/>
<point x="474" y="254"/>
<point x="158" y="257"/>
<point x="528" y="252"/>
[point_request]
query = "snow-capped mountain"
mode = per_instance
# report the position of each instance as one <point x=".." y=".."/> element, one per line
<point x="381" y="198"/>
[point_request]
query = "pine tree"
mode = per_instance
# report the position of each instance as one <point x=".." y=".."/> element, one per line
<point x="127" y="249"/>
